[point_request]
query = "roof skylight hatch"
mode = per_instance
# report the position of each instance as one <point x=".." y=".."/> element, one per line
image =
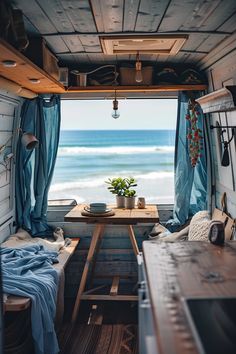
<point x="143" y="44"/>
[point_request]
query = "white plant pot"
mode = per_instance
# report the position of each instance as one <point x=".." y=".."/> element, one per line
<point x="129" y="202"/>
<point x="120" y="201"/>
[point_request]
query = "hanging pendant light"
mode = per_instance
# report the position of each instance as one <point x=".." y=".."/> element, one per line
<point x="115" y="113"/>
<point x="138" y="69"/>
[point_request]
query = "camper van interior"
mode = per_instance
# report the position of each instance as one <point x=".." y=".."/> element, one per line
<point x="98" y="260"/>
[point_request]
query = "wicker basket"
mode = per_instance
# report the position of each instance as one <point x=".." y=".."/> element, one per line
<point x="127" y="76"/>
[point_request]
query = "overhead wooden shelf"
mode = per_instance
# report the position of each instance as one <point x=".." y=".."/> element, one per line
<point x="152" y="88"/>
<point x="26" y="70"/>
<point x="222" y="100"/>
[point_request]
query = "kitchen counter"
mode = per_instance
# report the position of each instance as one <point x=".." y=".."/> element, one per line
<point x="177" y="271"/>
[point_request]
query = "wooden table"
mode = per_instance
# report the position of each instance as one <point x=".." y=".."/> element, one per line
<point x="182" y="270"/>
<point x="126" y="217"/>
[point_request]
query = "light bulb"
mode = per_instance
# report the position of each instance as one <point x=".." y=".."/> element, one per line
<point x="115" y="113"/>
<point x="138" y="72"/>
<point x="138" y="76"/>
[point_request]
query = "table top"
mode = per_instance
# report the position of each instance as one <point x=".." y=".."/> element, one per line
<point x="122" y="216"/>
<point x="185" y="270"/>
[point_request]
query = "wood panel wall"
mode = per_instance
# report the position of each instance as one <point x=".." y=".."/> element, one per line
<point x="223" y="73"/>
<point x="9" y="110"/>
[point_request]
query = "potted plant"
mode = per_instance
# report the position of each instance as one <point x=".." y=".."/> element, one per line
<point x="130" y="193"/>
<point x="130" y="198"/>
<point x="118" y="187"/>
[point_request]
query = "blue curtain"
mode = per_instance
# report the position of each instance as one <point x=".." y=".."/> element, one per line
<point x="190" y="182"/>
<point x="34" y="168"/>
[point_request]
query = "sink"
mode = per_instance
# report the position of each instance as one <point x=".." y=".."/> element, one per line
<point x="213" y="324"/>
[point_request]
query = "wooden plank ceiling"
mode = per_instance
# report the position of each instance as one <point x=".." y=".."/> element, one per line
<point x="72" y="28"/>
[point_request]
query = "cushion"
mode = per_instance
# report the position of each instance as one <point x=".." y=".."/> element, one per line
<point x="199" y="226"/>
<point x="160" y="233"/>
<point x="157" y="231"/>
<point x="177" y="236"/>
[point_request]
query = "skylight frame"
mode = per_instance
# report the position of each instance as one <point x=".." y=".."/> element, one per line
<point x="144" y="44"/>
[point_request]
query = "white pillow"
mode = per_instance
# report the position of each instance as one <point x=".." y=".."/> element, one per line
<point x="199" y="226"/>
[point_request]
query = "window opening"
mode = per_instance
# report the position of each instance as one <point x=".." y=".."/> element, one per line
<point x="93" y="147"/>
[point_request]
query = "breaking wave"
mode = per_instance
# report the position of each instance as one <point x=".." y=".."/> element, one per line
<point x="99" y="181"/>
<point x="119" y="150"/>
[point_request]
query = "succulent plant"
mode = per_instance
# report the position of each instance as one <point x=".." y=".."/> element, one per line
<point x="117" y="185"/>
<point x="122" y="186"/>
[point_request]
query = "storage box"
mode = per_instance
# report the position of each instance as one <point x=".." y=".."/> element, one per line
<point x="127" y="76"/>
<point x="63" y="76"/>
<point x="38" y="53"/>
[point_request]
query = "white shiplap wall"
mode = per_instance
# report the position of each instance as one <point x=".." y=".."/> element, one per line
<point x="223" y="73"/>
<point x="9" y="113"/>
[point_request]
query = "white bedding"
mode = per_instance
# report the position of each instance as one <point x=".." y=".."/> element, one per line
<point x="23" y="238"/>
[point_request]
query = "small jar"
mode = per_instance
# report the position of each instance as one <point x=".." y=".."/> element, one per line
<point x="141" y="203"/>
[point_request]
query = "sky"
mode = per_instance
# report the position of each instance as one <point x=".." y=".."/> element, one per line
<point x="134" y="114"/>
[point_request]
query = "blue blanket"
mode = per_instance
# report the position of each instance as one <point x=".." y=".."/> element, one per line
<point x="28" y="272"/>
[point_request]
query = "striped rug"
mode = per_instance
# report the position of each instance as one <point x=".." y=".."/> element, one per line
<point x="99" y="339"/>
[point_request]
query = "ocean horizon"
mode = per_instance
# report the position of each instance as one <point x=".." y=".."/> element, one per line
<point x="87" y="158"/>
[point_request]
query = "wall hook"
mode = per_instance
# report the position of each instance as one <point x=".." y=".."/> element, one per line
<point x="225" y="156"/>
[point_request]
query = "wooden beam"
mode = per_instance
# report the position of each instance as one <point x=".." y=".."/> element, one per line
<point x="115" y="285"/>
<point x="138" y="33"/>
<point x="151" y="88"/>
<point x="98" y="231"/>
<point x="109" y="297"/>
<point x="90" y="291"/>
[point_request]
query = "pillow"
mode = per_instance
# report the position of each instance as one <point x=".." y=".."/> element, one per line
<point x="199" y="226"/>
<point x="160" y="233"/>
<point x="181" y="235"/>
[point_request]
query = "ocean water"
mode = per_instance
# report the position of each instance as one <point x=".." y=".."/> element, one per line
<point x="87" y="158"/>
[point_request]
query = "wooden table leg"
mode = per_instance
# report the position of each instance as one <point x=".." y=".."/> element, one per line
<point x="133" y="240"/>
<point x="93" y="263"/>
<point x="98" y="231"/>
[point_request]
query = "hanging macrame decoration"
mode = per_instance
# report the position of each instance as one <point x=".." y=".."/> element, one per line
<point x="194" y="134"/>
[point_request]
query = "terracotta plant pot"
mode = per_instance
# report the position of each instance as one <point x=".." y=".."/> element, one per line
<point x="120" y="201"/>
<point x="129" y="202"/>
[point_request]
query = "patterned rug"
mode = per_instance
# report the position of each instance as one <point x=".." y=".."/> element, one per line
<point x="99" y="339"/>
